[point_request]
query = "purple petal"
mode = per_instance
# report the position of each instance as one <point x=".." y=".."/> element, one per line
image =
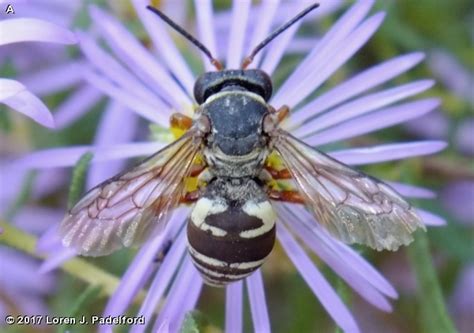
<point x="258" y="304"/>
<point x="161" y="281"/>
<point x="53" y="79"/>
<point x="12" y="179"/>
<point x="118" y="74"/>
<point x="462" y="298"/>
<point x="325" y="8"/>
<point x="388" y="152"/>
<point x="351" y="257"/>
<point x="22" y="274"/>
<point x="117" y="125"/>
<point x="337" y="263"/>
<point x="266" y="12"/>
<point x="345" y="50"/>
<point x="464" y="137"/>
<point x="189" y="301"/>
<point x="138" y="59"/>
<point x="315" y="280"/>
<point x="55" y="260"/>
<point x="433" y="126"/>
<point x="78" y="103"/>
<point x="363" y="105"/>
<point x="141" y="107"/>
<point x="277" y="48"/>
<point x="302" y="45"/>
<point x="50" y="239"/>
<point x="408" y="190"/>
<point x="58" y="12"/>
<point x="142" y="265"/>
<point x="66" y="157"/>
<point x="238" y="26"/>
<point x="233" y="308"/>
<point x="172" y="311"/>
<point x="30" y="306"/>
<point x="164" y="45"/>
<point x="457" y="78"/>
<point x="15" y="95"/>
<point x="165" y="327"/>
<point x="37" y="219"/>
<point x="281" y="46"/>
<point x="457" y="197"/>
<point x="48" y="182"/>
<point x="33" y="30"/>
<point x="9" y="88"/>
<point x="205" y="25"/>
<point x="430" y="219"/>
<point x="374" y="121"/>
<point x="360" y="83"/>
<point x="323" y="52"/>
<point x="3" y="310"/>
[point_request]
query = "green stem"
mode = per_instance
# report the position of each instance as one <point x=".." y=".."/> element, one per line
<point x="78" y="178"/>
<point x="76" y="267"/>
<point x="435" y="318"/>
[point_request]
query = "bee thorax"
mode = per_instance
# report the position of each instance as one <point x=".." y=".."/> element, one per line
<point x="231" y="230"/>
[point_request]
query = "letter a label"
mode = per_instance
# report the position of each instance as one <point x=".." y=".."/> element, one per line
<point x="10" y="10"/>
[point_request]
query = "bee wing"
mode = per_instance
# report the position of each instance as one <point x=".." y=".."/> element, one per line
<point x="353" y="206"/>
<point x="126" y="209"/>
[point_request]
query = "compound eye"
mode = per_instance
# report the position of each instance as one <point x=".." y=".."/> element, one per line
<point x="200" y="88"/>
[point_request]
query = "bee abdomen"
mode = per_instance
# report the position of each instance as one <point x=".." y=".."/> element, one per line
<point x="229" y="239"/>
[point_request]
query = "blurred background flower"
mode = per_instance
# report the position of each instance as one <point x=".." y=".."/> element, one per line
<point x="18" y="295"/>
<point x="154" y="86"/>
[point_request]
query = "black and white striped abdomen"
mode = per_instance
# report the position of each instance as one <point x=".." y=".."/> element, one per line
<point x="231" y="231"/>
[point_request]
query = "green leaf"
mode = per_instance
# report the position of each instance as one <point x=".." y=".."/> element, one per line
<point x="192" y="322"/>
<point x="78" y="177"/>
<point x="434" y="316"/>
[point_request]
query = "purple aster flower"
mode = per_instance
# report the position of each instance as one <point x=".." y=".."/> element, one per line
<point x="154" y="83"/>
<point x="457" y="197"/>
<point x="452" y="74"/>
<point x="464" y="137"/>
<point x="461" y="302"/>
<point x="13" y="93"/>
<point x="460" y="82"/>
<point x="17" y="292"/>
<point x="52" y="70"/>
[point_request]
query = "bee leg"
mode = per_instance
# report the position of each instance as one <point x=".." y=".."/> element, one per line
<point x="196" y="170"/>
<point x="205" y="177"/>
<point x="278" y="174"/>
<point x="190" y="197"/>
<point x="180" y="121"/>
<point x="287" y="196"/>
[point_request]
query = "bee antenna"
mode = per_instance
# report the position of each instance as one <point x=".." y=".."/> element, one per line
<point x="188" y="36"/>
<point x="248" y="60"/>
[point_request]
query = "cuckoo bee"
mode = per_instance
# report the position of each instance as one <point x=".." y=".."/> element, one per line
<point x="231" y="227"/>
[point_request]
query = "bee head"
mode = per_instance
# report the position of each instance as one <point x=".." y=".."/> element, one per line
<point x="252" y="80"/>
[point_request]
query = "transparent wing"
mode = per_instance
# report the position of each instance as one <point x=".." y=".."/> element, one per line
<point x="126" y="209"/>
<point x="354" y="207"/>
